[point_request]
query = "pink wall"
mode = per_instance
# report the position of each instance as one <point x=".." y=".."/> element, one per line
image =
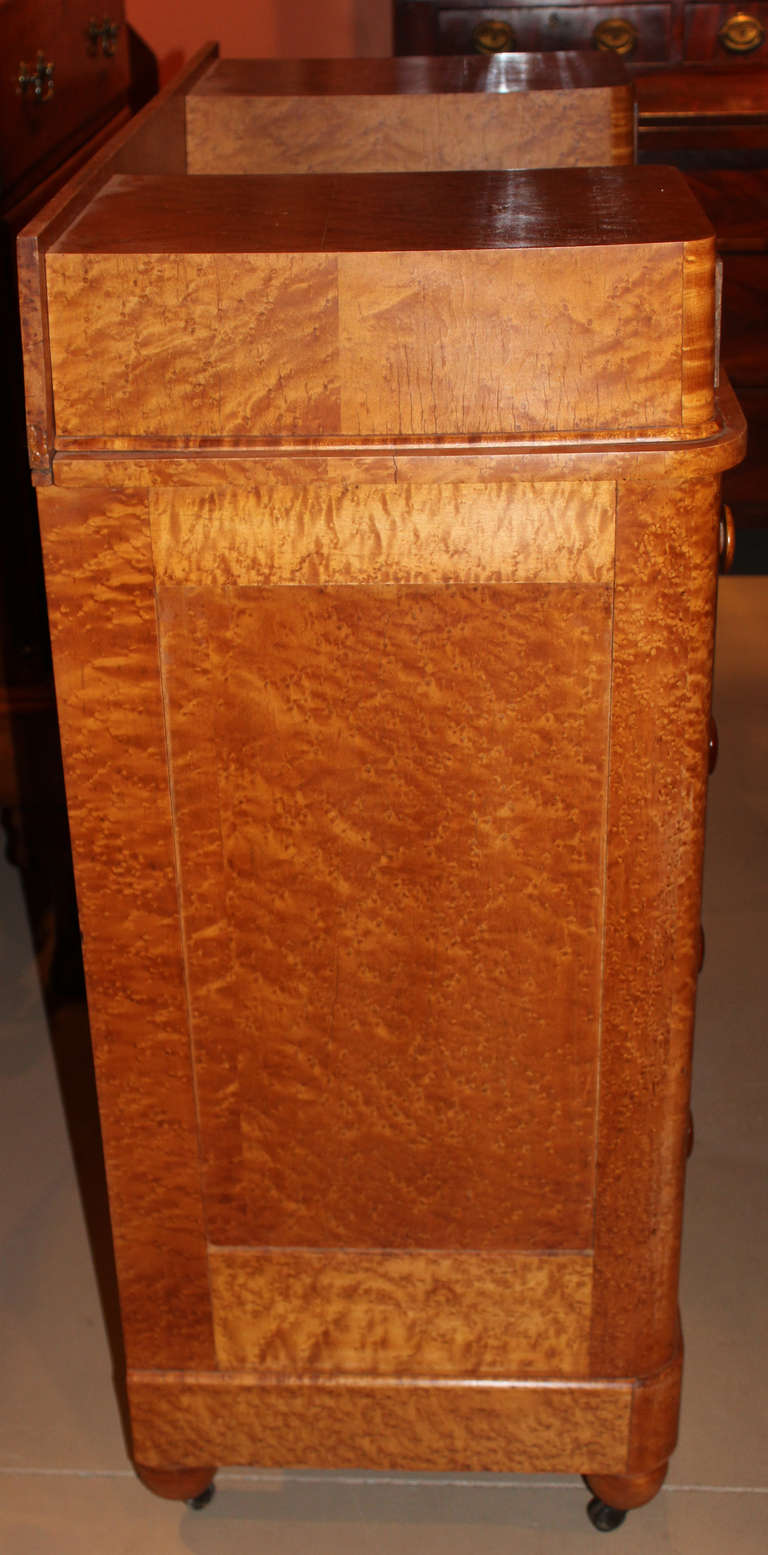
<point x="301" y="29"/>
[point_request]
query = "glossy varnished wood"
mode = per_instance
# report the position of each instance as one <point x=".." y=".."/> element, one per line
<point x="399" y="76"/>
<point x="250" y="1415"/>
<point x="133" y="462"/>
<point x="390" y="642"/>
<point x="283" y="345"/>
<point x="358" y="533"/>
<point x="726" y="91"/>
<point x="240" y="341"/>
<point x="99" y="572"/>
<point x="449" y="1426"/>
<point x="654" y="1417"/>
<point x="152" y="141"/>
<point x="176" y="1484"/>
<point x="271" y="307"/>
<point x="395" y="115"/>
<point x="625" y="1492"/>
<point x="541" y="209"/>
<point x="315" y="1313"/>
<point x="404" y="812"/>
<point x="666" y="567"/>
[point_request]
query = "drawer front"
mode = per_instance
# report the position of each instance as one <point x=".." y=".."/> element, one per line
<point x="151" y="346"/>
<point x="722" y="32"/>
<point x="547" y="27"/>
<point x="70" y="76"/>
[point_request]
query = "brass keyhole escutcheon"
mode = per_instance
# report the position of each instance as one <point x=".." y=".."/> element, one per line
<point x="615" y="36"/>
<point x="493" y="37"/>
<point x="37" y="83"/>
<point x="741" y="34"/>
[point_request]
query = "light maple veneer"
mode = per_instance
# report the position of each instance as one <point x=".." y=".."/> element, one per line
<point x="410" y="115"/>
<point x="380" y="521"/>
<point x="263" y="307"/>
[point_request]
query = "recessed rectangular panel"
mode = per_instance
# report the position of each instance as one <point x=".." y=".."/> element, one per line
<point x="352" y="532"/>
<point x="401" y="1314"/>
<point x="389" y="807"/>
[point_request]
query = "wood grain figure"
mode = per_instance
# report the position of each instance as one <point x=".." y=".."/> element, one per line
<point x="406" y="1314"/>
<point x="356" y="919"/>
<point x="397" y="115"/>
<point x="305" y="534"/>
<point x="99" y="571"/>
<point x="381" y="549"/>
<point x="451" y="1427"/>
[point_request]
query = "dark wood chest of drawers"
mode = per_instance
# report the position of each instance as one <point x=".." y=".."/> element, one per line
<point x="677" y="30"/>
<point x="64" y="87"/>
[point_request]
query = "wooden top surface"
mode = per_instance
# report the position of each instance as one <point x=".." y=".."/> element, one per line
<point x="387" y="212"/>
<point x="387" y="77"/>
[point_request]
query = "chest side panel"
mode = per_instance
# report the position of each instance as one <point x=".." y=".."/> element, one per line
<point x="389" y="804"/>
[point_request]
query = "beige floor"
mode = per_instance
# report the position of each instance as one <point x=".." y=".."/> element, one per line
<point x="66" y="1485"/>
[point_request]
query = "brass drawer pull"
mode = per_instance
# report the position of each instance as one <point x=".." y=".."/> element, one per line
<point x="741" y="34"/>
<point x="38" y="81"/>
<point x="491" y="37"/>
<point x="727" y="539"/>
<point x="615" y="36"/>
<point x="103" y="36"/>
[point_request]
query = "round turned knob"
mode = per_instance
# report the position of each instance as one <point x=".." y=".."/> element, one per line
<point x="37" y="83"/>
<point x="493" y="37"/>
<point x="714" y="744"/>
<point x="727" y="539"/>
<point x="615" y="36"/>
<point x="741" y="34"/>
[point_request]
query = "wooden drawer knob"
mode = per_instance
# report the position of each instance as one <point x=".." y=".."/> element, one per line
<point x="615" y="36"/>
<point x="492" y="37"/>
<point x="714" y="744"/>
<point x="37" y="83"/>
<point x="741" y="34"/>
<point x="727" y="539"/>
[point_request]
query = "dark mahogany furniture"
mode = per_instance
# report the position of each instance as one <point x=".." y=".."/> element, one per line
<point x="65" y="84"/>
<point x="380" y="518"/>
<point x="701" y="75"/>
<point x="713" y="122"/>
<point x="677" y="30"/>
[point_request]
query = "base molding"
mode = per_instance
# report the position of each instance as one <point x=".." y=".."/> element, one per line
<point x="364" y="1422"/>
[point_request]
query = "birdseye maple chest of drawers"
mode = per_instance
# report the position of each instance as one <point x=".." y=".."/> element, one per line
<point x="380" y="516"/>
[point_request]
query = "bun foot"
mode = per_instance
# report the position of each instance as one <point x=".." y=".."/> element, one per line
<point x="195" y="1486"/>
<point x="613" y="1495"/>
